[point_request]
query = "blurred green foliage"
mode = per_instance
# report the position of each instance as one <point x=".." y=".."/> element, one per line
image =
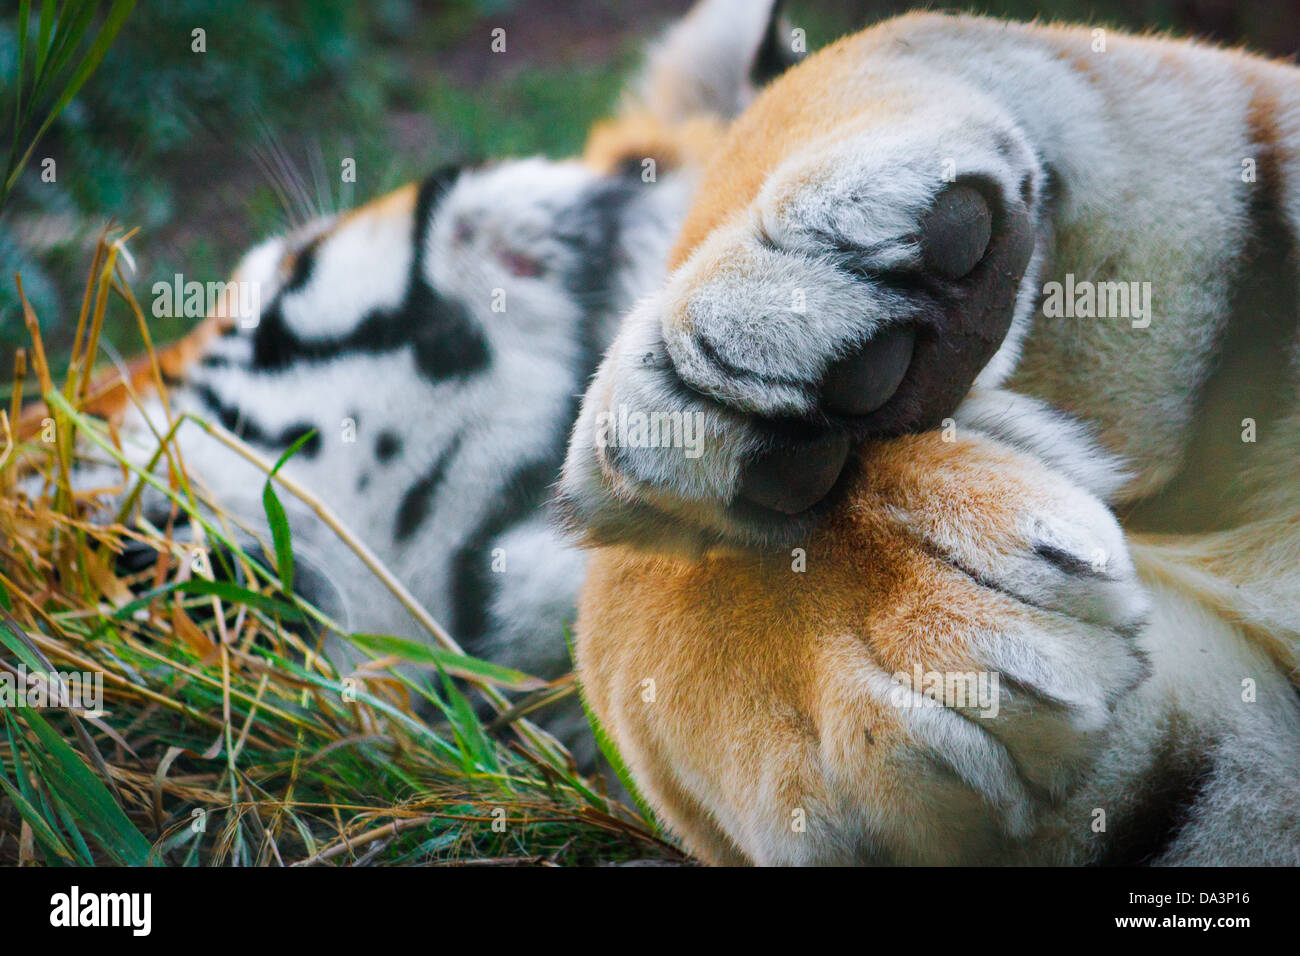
<point x="207" y="152"/>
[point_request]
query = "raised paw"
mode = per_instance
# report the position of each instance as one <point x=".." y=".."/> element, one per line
<point x="858" y="295"/>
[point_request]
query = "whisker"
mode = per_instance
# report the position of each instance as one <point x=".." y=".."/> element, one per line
<point x="325" y="203"/>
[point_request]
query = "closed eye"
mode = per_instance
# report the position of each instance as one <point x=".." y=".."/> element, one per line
<point x="517" y="264"/>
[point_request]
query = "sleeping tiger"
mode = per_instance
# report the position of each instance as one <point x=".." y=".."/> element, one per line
<point x="947" y="290"/>
<point x="439" y="340"/>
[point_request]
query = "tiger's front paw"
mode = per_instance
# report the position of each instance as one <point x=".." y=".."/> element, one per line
<point x="840" y="305"/>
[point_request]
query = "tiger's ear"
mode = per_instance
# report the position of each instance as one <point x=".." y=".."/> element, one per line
<point x="712" y="61"/>
<point x="703" y="71"/>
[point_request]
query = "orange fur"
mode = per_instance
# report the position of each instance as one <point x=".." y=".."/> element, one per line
<point x="109" y="393"/>
<point x="755" y="665"/>
<point x="636" y="135"/>
<point x="795" y="111"/>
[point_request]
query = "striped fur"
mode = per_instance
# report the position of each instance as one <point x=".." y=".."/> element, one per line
<point x="437" y="341"/>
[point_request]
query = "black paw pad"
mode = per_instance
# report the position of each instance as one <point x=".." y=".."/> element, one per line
<point x="792" y="478"/>
<point x="860" y="383"/>
<point x="955" y="233"/>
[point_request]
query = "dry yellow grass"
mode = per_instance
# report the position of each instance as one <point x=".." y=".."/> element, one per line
<point x="223" y="735"/>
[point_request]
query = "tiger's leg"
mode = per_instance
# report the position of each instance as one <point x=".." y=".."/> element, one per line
<point x="808" y="319"/>
<point x="874" y="240"/>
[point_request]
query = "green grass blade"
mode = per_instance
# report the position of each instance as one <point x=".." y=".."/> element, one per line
<point x="74" y="20"/>
<point x="280" y="536"/>
<point x="24" y="18"/>
<point x="43" y="35"/>
<point x="117" y="14"/>
<point x="469" y="731"/>
<point x="232" y="593"/>
<point x="71" y="778"/>
<point x="279" y="521"/>
<point x="609" y="750"/>
<point x="14" y="641"/>
<point x="42" y="831"/>
<point x="457" y="665"/>
<point x="84" y="856"/>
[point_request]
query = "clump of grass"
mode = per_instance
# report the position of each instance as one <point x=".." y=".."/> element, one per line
<point x="224" y="736"/>
<point x="68" y="47"/>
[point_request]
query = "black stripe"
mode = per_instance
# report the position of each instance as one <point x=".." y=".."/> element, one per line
<point x="1143" y="831"/>
<point x="447" y="342"/>
<point x="1069" y="563"/>
<point x="234" y="420"/>
<point x="593" y="229"/>
<point x="304" y="264"/>
<point x="775" y="55"/>
<point x="523" y="496"/>
<point x="441" y="330"/>
<point x="417" y="501"/>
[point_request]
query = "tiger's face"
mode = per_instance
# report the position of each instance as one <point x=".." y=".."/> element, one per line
<point x="479" y="260"/>
<point x="429" y="351"/>
<point x="434" y="344"/>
